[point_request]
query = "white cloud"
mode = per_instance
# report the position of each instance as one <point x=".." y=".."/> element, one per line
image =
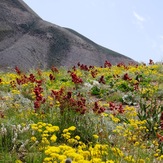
<point x="139" y="20"/>
<point x="138" y="17"/>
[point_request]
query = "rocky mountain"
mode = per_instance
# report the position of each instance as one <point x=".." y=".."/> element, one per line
<point x="29" y="42"/>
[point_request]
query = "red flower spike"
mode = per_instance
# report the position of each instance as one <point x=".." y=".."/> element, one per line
<point x="107" y="64"/>
<point x="1" y="114"/>
<point x="98" y="109"/>
<point x="112" y="106"/>
<point x="17" y="70"/>
<point x="136" y="86"/>
<point x="160" y="137"/>
<point x="78" y="64"/>
<point x="32" y="78"/>
<point x="75" y="78"/>
<point x="57" y="94"/>
<point x="18" y="81"/>
<point x="74" y="68"/>
<point x="39" y="82"/>
<point x="101" y="80"/>
<point x="121" y="64"/>
<point x="84" y="67"/>
<point x="161" y="117"/>
<point x="36" y="104"/>
<point x="69" y="94"/>
<point x="126" y="77"/>
<point x="120" y="109"/>
<point x="54" y="69"/>
<point x="43" y="101"/>
<point x="151" y="62"/>
<point x="91" y="67"/>
<point x="94" y="73"/>
<point x="51" y="77"/>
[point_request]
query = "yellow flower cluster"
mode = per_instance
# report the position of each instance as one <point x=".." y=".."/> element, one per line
<point x="46" y="131"/>
<point x="66" y="134"/>
<point x="149" y="91"/>
<point x="116" y="151"/>
<point x="114" y="119"/>
<point x="77" y="155"/>
<point x="59" y="153"/>
<point x="130" y="112"/>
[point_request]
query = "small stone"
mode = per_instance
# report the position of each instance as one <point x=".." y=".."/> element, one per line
<point x="68" y="160"/>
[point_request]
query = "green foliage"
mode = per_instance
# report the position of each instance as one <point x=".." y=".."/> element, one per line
<point x="118" y="117"/>
<point x="151" y="112"/>
<point x="124" y="87"/>
<point x="95" y="90"/>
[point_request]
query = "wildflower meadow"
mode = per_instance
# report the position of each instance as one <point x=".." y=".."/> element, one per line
<point x="84" y="114"/>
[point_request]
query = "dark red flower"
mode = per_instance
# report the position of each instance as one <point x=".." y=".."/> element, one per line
<point x="120" y="109"/>
<point x="32" y="78"/>
<point x="17" y="70"/>
<point x="84" y="67"/>
<point x="117" y="107"/>
<point x="78" y="64"/>
<point x="98" y="109"/>
<point x="94" y="73"/>
<point x="112" y="105"/>
<point x="75" y="78"/>
<point x="126" y="77"/>
<point x="1" y="114"/>
<point x="160" y="137"/>
<point x="54" y="69"/>
<point x="151" y="62"/>
<point x="161" y="117"/>
<point x="107" y="64"/>
<point x="69" y="94"/>
<point x="36" y="104"/>
<point x="101" y="80"/>
<point x="51" y="77"/>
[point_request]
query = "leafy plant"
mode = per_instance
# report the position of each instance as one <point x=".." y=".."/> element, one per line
<point x="95" y="90"/>
<point x="151" y="112"/>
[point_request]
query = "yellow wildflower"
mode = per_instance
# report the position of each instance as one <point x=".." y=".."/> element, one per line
<point x="77" y="137"/>
<point x="72" y="128"/>
<point x="18" y="161"/>
<point x="53" y="138"/>
<point x="95" y="136"/>
<point x="33" y="138"/>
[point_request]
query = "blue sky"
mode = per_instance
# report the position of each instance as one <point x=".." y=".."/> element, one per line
<point x="131" y="27"/>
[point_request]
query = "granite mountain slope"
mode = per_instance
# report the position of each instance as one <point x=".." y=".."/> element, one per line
<point x="28" y="41"/>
